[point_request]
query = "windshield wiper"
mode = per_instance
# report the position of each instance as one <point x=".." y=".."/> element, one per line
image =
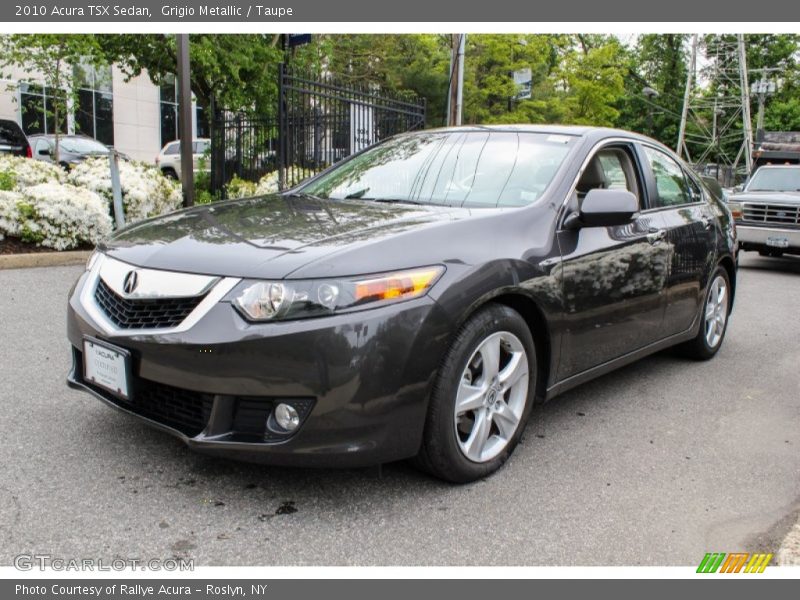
<point x="393" y="201"/>
<point x="356" y="195"/>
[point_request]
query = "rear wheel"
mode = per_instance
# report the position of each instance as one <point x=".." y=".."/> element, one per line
<point x="482" y="397"/>
<point x="714" y="318"/>
<point x="170" y="173"/>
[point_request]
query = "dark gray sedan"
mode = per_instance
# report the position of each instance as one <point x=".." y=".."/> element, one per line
<point x="413" y="301"/>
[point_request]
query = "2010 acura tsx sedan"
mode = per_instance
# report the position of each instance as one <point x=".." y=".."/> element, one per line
<point x="414" y="300"/>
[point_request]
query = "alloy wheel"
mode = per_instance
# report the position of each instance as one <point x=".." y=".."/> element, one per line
<point x="716" y="311"/>
<point x="491" y="397"/>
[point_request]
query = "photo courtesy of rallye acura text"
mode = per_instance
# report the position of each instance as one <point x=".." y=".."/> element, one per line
<point x="413" y="301"/>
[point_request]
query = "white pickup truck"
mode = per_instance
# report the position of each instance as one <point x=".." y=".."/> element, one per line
<point x="767" y="211"/>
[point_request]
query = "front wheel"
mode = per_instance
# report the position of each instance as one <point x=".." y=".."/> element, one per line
<point x="482" y="397"/>
<point x="714" y="318"/>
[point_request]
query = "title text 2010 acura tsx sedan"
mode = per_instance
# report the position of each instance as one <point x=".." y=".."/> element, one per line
<point x="414" y="300"/>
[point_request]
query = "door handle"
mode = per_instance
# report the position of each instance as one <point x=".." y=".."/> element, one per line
<point x="656" y="235"/>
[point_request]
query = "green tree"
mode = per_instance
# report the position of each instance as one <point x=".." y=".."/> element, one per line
<point x="657" y="61"/>
<point x="782" y="52"/>
<point x="489" y="88"/>
<point x="592" y="75"/>
<point x="238" y="71"/>
<point x="50" y="59"/>
<point x="405" y="64"/>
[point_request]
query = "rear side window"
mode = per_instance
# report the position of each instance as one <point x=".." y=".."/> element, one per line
<point x="11" y="134"/>
<point x="200" y="147"/>
<point x="671" y="184"/>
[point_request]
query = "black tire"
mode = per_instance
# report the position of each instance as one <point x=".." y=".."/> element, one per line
<point x="441" y="454"/>
<point x="770" y="253"/>
<point x="699" y="347"/>
<point x="169" y="173"/>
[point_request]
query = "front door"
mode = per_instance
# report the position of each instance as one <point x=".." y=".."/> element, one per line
<point x="613" y="277"/>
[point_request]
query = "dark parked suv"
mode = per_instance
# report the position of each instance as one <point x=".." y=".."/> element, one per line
<point x="413" y="301"/>
<point x="13" y="140"/>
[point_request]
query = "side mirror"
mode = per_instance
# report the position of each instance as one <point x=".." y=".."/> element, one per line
<point x="44" y="152"/>
<point x="604" y="208"/>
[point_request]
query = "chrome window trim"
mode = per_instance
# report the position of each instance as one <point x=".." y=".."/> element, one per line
<point x="625" y="140"/>
<point x="219" y="288"/>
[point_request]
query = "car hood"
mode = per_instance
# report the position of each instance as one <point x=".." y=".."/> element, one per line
<point x="767" y="197"/>
<point x="275" y="236"/>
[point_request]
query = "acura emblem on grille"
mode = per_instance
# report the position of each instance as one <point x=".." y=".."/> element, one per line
<point x="131" y="281"/>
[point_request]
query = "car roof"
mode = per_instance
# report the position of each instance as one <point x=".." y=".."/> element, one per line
<point x="594" y="133"/>
<point x="64" y="136"/>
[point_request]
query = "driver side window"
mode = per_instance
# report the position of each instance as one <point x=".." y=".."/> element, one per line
<point x="612" y="168"/>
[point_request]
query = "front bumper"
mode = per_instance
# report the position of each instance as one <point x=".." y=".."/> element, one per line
<point x="366" y="377"/>
<point x="755" y="237"/>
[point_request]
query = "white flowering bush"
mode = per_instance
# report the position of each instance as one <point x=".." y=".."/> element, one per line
<point x="55" y="215"/>
<point x="9" y="213"/>
<point x="146" y="192"/>
<point x="25" y="172"/>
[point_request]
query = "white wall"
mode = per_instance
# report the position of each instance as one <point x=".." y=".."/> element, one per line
<point x="137" y="117"/>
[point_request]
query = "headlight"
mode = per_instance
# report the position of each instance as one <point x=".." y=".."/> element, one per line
<point x="736" y="209"/>
<point x="276" y="300"/>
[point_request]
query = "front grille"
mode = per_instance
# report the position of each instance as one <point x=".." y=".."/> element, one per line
<point x="776" y="214"/>
<point x="145" y="313"/>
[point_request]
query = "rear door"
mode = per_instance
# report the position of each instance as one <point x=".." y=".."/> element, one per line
<point x="690" y="236"/>
<point x="613" y="277"/>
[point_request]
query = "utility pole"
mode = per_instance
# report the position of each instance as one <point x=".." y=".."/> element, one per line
<point x="762" y="88"/>
<point x="455" y="95"/>
<point x="681" y="149"/>
<point x="185" y="118"/>
<point x="747" y="144"/>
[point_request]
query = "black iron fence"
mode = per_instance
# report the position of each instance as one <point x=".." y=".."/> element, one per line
<point x="320" y="121"/>
<point x="242" y="145"/>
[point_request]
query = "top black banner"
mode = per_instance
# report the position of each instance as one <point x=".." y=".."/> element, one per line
<point x="348" y="11"/>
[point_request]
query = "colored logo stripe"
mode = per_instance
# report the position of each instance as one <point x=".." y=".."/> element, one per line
<point x="758" y="563"/>
<point x="734" y="563"/>
<point x="711" y="562"/>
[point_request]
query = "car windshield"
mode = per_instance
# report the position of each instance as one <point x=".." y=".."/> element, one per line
<point x="461" y="168"/>
<point x="775" y="180"/>
<point x="82" y="146"/>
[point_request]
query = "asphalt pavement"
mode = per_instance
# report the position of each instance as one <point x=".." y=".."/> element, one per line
<point x="655" y="464"/>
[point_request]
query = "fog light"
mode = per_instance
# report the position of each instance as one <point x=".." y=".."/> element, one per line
<point x="287" y="417"/>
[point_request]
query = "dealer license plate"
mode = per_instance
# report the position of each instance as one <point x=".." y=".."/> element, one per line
<point x="107" y="366"/>
<point x="778" y="242"/>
